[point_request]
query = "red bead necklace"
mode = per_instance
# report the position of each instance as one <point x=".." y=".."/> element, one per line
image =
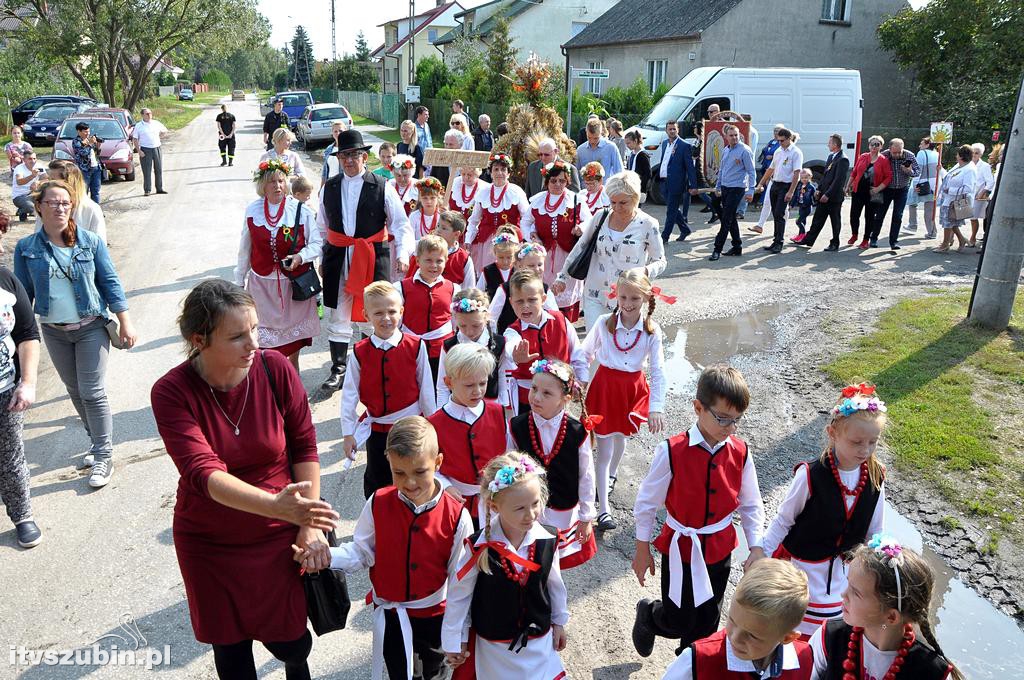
<point x="615" y="339"/>
<point x="535" y="439"/>
<point x="273" y="220"/>
<point x="551" y="208"/>
<point x="520" y="577"/>
<point x="466" y="199"/>
<point x="855" y="492"/>
<point x="501" y="197"/>
<point x="593" y="203"/>
<point x="853" y="654"/>
<point x="433" y="224"/>
<point x="403" y="192"/>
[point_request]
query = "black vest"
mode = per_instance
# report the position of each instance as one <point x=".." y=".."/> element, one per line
<point x="822" y="530"/>
<point x="563" y="472"/>
<point x="492" y="280"/>
<point x="371" y="217"/>
<point x="496" y="345"/>
<point x="921" y="662"/>
<point x="508" y="315"/>
<point x="503" y="610"/>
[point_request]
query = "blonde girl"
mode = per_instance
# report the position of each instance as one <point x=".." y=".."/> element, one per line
<point x="466" y="188"/>
<point x="282" y="151"/>
<point x="834" y="503"/>
<point x="409" y="146"/>
<point x="885" y="606"/>
<point x="458" y="122"/>
<point x="404" y="167"/>
<point x="503" y="248"/>
<point x="473" y="325"/>
<point x="562" y="444"/>
<point x="510" y="585"/>
<point x="622" y="342"/>
<point x="424" y="219"/>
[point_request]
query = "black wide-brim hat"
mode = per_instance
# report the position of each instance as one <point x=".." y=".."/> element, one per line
<point x="350" y="140"/>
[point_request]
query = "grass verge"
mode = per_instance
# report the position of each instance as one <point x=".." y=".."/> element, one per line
<point x="175" y="114"/>
<point x="388" y="135"/>
<point x="954" y="394"/>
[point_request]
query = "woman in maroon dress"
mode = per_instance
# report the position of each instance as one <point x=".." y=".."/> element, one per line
<point x="237" y="425"/>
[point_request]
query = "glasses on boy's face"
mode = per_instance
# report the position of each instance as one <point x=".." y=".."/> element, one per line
<point x="721" y="420"/>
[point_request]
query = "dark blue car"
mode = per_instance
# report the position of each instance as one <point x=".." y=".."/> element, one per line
<point x="295" y="104"/>
<point x="42" y="127"/>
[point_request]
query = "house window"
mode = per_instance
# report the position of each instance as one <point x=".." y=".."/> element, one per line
<point x="593" y="85"/>
<point x="431" y="35"/>
<point x="656" y="73"/>
<point x="835" y="10"/>
<point x="577" y="28"/>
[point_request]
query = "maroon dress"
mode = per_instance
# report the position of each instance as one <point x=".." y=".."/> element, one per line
<point x="240" y="579"/>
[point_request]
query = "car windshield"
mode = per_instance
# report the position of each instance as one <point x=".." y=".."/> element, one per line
<point x="328" y="114"/>
<point x="296" y="99"/>
<point x="55" y="112"/>
<point x="104" y="129"/>
<point x="671" y="107"/>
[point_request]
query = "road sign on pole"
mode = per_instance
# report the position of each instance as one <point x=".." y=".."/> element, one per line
<point x="589" y="73"/>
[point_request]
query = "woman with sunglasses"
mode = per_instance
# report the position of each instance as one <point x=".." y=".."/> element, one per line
<point x="868" y="181"/>
<point x="68" y="275"/>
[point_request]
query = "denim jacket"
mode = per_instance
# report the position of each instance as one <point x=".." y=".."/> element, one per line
<point x="93" y="278"/>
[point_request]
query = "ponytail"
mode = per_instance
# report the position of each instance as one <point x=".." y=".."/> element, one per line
<point x="581" y="396"/>
<point x="69" y="234"/>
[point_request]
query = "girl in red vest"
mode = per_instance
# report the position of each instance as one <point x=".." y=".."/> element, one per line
<point x="889" y="592"/>
<point x="536" y="334"/>
<point x="427" y="298"/>
<point x="562" y="445"/>
<point x="834" y="503"/>
<point x="621" y="344"/>
<point x="500" y="204"/>
<point x="503" y="249"/>
<point x="465" y="189"/>
<point x="759" y="639"/>
<point x="423" y="220"/>
<point x="555" y="220"/>
<point x="529" y="257"/>
<point x="473" y="326"/>
<point x="510" y="585"/>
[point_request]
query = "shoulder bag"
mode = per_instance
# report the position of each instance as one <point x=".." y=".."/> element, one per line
<point x="109" y="323"/>
<point x="961" y="207"/>
<point x="581" y="266"/>
<point x="327" y="600"/>
<point x="306" y="284"/>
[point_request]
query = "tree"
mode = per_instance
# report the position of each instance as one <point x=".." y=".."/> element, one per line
<point x="117" y="47"/>
<point x="302" y="59"/>
<point x="255" y="67"/>
<point x="352" y="75"/>
<point x="967" y="56"/>
<point x="501" y="59"/>
<point x="432" y="75"/>
<point x="362" y="49"/>
<point x="24" y="76"/>
<point x="217" y="79"/>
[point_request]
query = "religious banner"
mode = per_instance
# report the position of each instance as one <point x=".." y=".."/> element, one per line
<point x="713" y="144"/>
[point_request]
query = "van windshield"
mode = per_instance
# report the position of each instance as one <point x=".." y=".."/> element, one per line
<point x="296" y="99"/>
<point x="671" y="107"/>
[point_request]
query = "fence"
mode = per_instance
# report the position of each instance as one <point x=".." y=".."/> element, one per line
<point x="386" y="109"/>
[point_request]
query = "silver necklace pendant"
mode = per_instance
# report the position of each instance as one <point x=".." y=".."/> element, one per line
<point x="236" y="431"/>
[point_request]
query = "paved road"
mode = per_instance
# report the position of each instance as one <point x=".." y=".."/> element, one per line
<point x="108" y="553"/>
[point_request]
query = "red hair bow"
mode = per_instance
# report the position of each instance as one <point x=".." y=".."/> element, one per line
<point x="863" y="388"/>
<point x="590" y="421"/>
<point x="667" y="299"/>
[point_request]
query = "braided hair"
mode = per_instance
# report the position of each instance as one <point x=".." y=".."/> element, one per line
<point x="637" y="279"/>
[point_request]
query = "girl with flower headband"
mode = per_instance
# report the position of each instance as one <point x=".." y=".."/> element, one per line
<point x="528" y="257"/>
<point x="834" y="503"/>
<point x="509" y="585"/>
<point x="594" y="194"/>
<point x="562" y="445"/>
<point x="503" y="246"/>
<point x="889" y="592"/>
<point x="404" y="167"/>
<point x="621" y="343"/>
<point x="554" y="220"/>
<point x="473" y="326"/>
<point x="423" y="219"/>
<point x="501" y="203"/>
<point x="464" y="191"/>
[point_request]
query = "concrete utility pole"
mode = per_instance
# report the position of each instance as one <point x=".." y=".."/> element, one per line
<point x="999" y="272"/>
<point x="412" y="44"/>
<point x="334" y="49"/>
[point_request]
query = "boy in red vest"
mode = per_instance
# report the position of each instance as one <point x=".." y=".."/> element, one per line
<point x="701" y="477"/>
<point x="427" y="297"/>
<point x="459" y="267"/>
<point x="390" y="374"/>
<point x="760" y="637"/>
<point x="408" y="585"/>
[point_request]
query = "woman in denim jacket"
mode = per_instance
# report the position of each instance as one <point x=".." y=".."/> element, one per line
<point x="68" y="274"/>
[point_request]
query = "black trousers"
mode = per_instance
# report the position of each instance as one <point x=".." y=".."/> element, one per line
<point x="830" y="211"/>
<point x="235" y="662"/>
<point x="780" y="207"/>
<point x="227" y="148"/>
<point x="377" y="474"/>
<point x="731" y="199"/>
<point x="688" y="623"/>
<point x="426" y="644"/>
<point x="862" y="203"/>
<point x="897" y="198"/>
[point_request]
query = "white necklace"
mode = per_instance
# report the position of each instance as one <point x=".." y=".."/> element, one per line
<point x="245" y="400"/>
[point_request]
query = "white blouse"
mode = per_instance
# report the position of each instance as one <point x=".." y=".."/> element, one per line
<point x="457" y="186"/>
<point x="600" y="345"/>
<point x="514" y="196"/>
<point x="961" y="180"/>
<point x="293" y="160"/>
<point x="411" y="192"/>
<point x="571" y="200"/>
<point x="601" y="201"/>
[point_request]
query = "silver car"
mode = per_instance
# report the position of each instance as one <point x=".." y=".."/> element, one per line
<point x="315" y="124"/>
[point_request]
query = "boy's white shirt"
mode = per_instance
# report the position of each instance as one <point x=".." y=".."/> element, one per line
<point x="682" y="667"/>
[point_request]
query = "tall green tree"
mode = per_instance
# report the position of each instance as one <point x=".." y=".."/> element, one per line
<point x="967" y="57"/>
<point x="253" y="67"/>
<point x="432" y="75"/>
<point x="362" y="49"/>
<point x="24" y="76"/>
<point x="352" y="74"/>
<point x="303" y="62"/>
<point x="501" y="59"/>
<point x="111" y="47"/>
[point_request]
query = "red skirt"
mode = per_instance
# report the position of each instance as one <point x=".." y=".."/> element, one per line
<point x="292" y="347"/>
<point x="622" y="398"/>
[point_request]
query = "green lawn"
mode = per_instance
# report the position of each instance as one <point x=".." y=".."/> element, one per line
<point x="388" y="135"/>
<point x="954" y="393"/>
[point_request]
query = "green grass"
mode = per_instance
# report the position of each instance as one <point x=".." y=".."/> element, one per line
<point x="210" y="97"/>
<point x="389" y="135"/>
<point x="953" y="394"/>
<point x="169" y="111"/>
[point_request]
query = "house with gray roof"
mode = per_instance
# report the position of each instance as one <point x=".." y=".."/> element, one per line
<point x="662" y="41"/>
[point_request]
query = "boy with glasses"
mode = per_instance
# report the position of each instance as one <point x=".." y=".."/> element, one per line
<point x="701" y="477"/>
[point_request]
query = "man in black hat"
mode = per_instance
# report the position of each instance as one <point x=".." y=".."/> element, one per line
<point x="274" y="120"/>
<point x="358" y="212"/>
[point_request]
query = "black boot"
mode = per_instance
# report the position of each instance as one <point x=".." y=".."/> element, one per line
<point x="339" y="354"/>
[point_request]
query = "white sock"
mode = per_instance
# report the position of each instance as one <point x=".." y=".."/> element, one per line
<point x="602" y="460"/>
<point x="619" y="449"/>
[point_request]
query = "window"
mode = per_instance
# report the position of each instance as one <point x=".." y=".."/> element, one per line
<point x="431" y="35"/>
<point x="835" y="10"/>
<point x="594" y="84"/>
<point x="656" y="73"/>
<point x="577" y="28"/>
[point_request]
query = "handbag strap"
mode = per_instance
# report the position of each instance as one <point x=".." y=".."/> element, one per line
<point x="56" y="261"/>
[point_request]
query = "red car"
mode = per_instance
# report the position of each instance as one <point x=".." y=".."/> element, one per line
<point x="116" y="153"/>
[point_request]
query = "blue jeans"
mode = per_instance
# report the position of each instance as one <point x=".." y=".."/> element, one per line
<point x="93" y="178"/>
<point x="678" y="208"/>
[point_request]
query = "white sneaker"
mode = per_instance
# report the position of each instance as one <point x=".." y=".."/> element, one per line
<point x="102" y="470"/>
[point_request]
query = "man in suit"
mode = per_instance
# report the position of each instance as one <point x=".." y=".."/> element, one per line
<point x="547" y="152"/>
<point x="679" y="181"/>
<point x="830" y="195"/>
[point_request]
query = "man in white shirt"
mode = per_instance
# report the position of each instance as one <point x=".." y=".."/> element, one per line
<point x="24" y="177"/>
<point x="148" y="135"/>
<point x="784" y="172"/>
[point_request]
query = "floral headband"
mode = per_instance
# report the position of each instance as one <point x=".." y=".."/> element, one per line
<point x="504" y="238"/>
<point x="403" y="162"/>
<point x="591" y="172"/>
<point x="502" y="158"/>
<point x="859" y="398"/>
<point x="560" y="371"/>
<point x="531" y="249"/>
<point x="468" y="306"/>
<point x="270" y="167"/>
<point x="890" y="552"/>
<point x="508" y="475"/>
<point x="429" y="184"/>
<point x="557" y="164"/>
<point x="655" y="292"/>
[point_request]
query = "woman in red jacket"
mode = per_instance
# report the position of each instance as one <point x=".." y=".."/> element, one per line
<point x="871" y="174"/>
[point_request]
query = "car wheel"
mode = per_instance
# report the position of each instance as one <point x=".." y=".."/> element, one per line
<point x="654" y="194"/>
<point x="130" y="177"/>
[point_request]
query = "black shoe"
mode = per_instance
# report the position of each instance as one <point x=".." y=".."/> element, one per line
<point x="29" y="534"/>
<point x="775" y="248"/>
<point x="223" y="163"/>
<point x="605" y="522"/>
<point x="735" y="251"/>
<point x="160" y="191"/>
<point x="339" y="355"/>
<point x="831" y="248"/>
<point x="682" y="237"/>
<point x="231" y="162"/>
<point x="713" y="220"/>
<point x="22" y="217"/>
<point x="895" y="247"/>
<point x="714" y="256"/>
<point x="873" y="244"/>
<point x="706" y="209"/>
<point x="643" y="633"/>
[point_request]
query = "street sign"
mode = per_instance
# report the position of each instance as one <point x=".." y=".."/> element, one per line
<point x="412" y="93"/>
<point x="589" y="72"/>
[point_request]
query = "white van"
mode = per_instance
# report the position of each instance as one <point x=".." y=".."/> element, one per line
<point x="812" y="102"/>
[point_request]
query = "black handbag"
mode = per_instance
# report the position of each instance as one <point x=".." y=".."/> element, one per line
<point x="306" y="284"/>
<point x="581" y="266"/>
<point x="327" y="599"/>
<point x="924" y="189"/>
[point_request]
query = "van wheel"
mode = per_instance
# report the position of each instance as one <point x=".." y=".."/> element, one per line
<point x="654" y="194"/>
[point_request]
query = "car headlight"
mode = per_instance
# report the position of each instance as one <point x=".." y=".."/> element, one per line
<point x="61" y="155"/>
<point x="120" y="155"/>
<point x="27" y="127"/>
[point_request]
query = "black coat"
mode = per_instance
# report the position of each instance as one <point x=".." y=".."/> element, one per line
<point x="834" y="179"/>
<point x="642" y="167"/>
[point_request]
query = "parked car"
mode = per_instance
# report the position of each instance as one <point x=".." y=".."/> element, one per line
<point x="116" y="153"/>
<point x="237" y="95"/>
<point x="295" y="104"/>
<point x="123" y="116"/>
<point x="186" y="94"/>
<point x="23" y="111"/>
<point x="315" y="124"/>
<point x="42" y="127"/>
